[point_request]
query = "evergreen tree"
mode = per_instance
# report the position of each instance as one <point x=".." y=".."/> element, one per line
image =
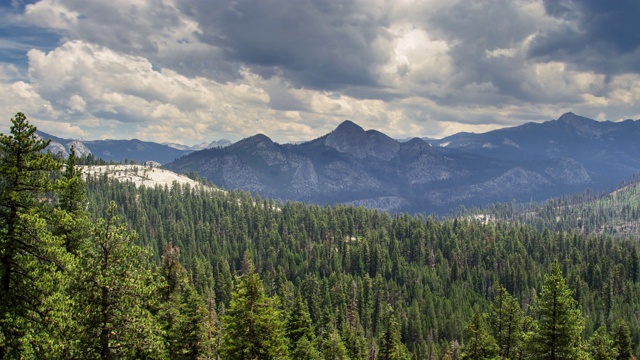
<point x="187" y="320"/>
<point x="305" y="350"/>
<point x="391" y="347"/>
<point x="480" y="344"/>
<point x="70" y="218"/>
<point x="253" y="327"/>
<point x="333" y="347"/>
<point x="197" y="335"/>
<point x="505" y="322"/>
<point x="31" y="261"/>
<point x="622" y="340"/>
<point x="601" y="347"/>
<point x="298" y="324"/>
<point x="118" y="295"/>
<point x="559" y="320"/>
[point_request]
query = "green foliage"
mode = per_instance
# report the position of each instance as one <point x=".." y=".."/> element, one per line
<point x="333" y="347"/>
<point x="559" y="320"/>
<point x="305" y="349"/>
<point x="118" y="291"/>
<point x="349" y="263"/>
<point x="189" y="323"/>
<point x="299" y="325"/>
<point x="253" y="326"/>
<point x="615" y="213"/>
<point x="70" y="220"/>
<point x="480" y="344"/>
<point x="601" y="346"/>
<point x="73" y="288"/>
<point x="621" y="337"/>
<point x="505" y="322"/>
<point x="391" y="346"/>
<point x="30" y="259"/>
<point x="346" y="263"/>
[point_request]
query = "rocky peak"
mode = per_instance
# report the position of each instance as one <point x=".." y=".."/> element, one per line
<point x="350" y="138"/>
<point x="417" y="144"/>
<point x="219" y="143"/>
<point x="79" y="148"/>
<point x="581" y="125"/>
<point x="259" y="141"/>
<point x="573" y="119"/>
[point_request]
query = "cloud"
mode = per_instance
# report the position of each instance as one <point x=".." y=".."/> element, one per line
<point x="313" y="44"/>
<point x="600" y="36"/>
<point x="83" y="80"/>
<point x="156" y="30"/>
<point x="199" y="70"/>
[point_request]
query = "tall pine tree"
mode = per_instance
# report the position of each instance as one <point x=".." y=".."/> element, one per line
<point x="117" y="297"/>
<point x="505" y="322"/>
<point x="253" y="327"/>
<point x="480" y="344"/>
<point x="559" y="322"/>
<point x="31" y="261"/>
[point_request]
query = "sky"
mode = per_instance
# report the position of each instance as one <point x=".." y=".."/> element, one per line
<point x="192" y="71"/>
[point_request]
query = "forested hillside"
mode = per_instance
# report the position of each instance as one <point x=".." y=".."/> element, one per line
<point x="351" y="265"/>
<point x="171" y="272"/>
<point x="616" y="213"/>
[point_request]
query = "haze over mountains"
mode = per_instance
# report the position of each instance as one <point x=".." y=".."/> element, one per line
<point x="533" y="161"/>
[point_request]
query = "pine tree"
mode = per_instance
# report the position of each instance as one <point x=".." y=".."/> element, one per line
<point x="505" y="322"/>
<point x="391" y="346"/>
<point x="601" y="347"/>
<point x="194" y="329"/>
<point x="70" y="219"/>
<point x="480" y="344"/>
<point x="333" y="347"/>
<point x="118" y="294"/>
<point x="185" y="317"/>
<point x="31" y="261"/>
<point x="559" y="320"/>
<point x="305" y="350"/>
<point x="621" y="336"/>
<point x="253" y="327"/>
<point x="299" y="324"/>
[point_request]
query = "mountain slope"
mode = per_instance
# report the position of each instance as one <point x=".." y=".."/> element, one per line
<point x="116" y="150"/>
<point x="609" y="151"/>
<point x="616" y="213"/>
<point x="141" y="175"/>
<point x="351" y="165"/>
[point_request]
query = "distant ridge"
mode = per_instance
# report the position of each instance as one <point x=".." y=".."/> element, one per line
<point x="116" y="150"/>
<point x="367" y="167"/>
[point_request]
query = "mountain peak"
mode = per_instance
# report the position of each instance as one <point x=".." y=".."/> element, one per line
<point x="253" y="142"/>
<point x="259" y="138"/>
<point x="581" y="125"/>
<point x="349" y="126"/>
<point x="571" y="119"/>
<point x="350" y="138"/>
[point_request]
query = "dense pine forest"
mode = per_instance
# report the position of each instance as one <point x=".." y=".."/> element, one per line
<point x="616" y="213"/>
<point x="92" y="268"/>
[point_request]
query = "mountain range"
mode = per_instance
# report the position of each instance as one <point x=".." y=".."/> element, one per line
<point x="533" y="161"/>
<point x="351" y="165"/>
<point x="116" y="150"/>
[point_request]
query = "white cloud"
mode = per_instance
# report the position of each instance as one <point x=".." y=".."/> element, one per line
<point x="52" y="14"/>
